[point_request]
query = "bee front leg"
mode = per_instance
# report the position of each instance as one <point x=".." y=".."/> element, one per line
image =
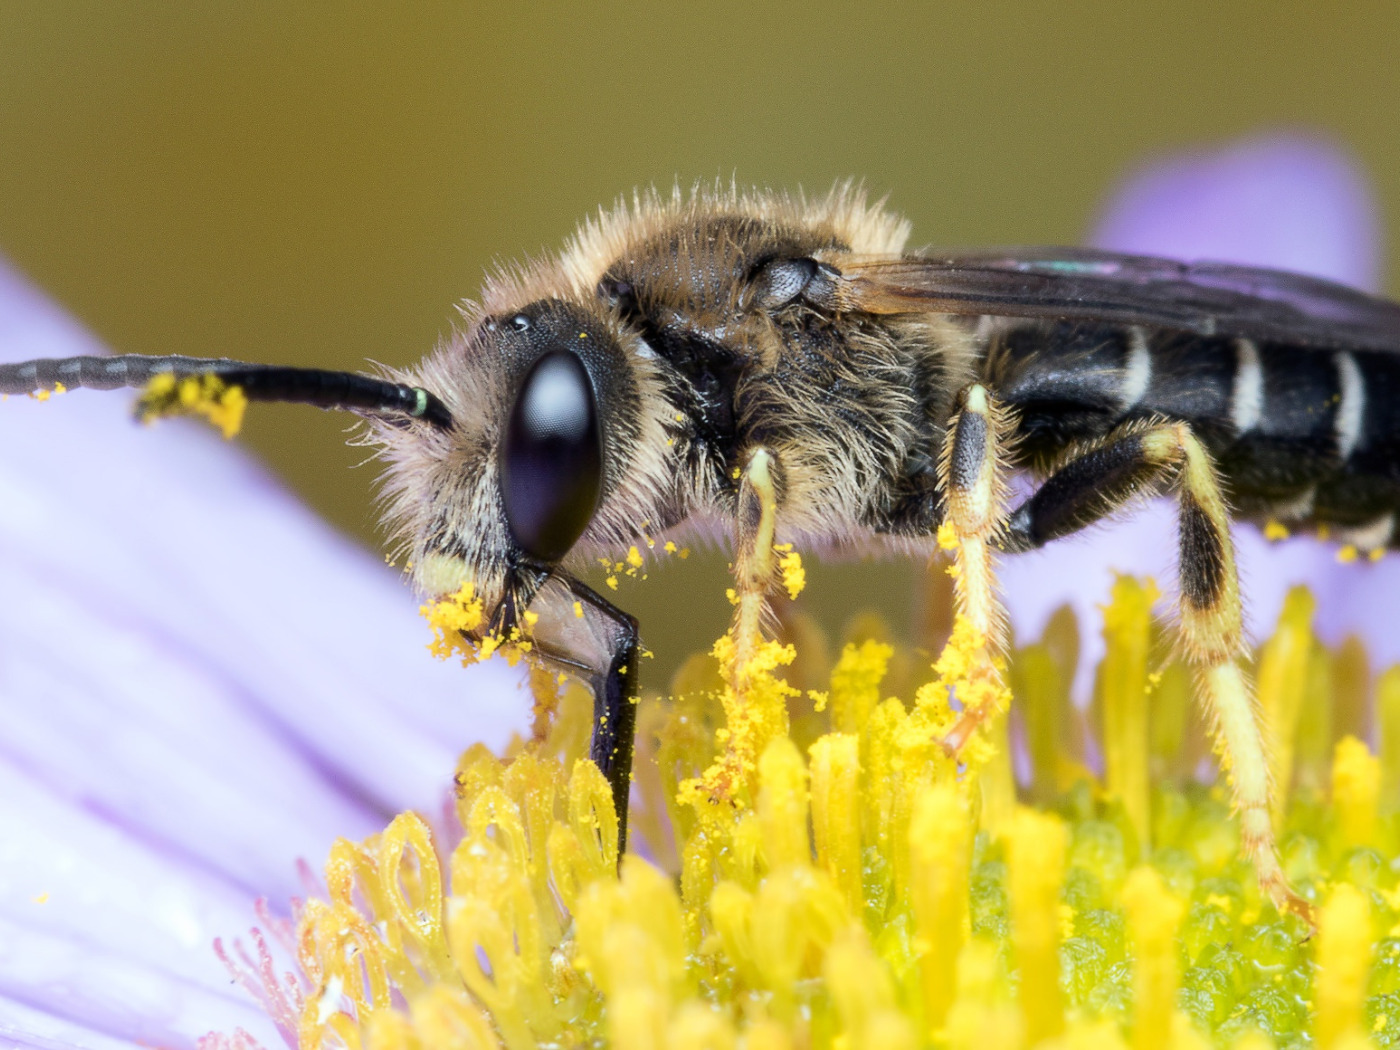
<point x="1126" y="463"/>
<point x="615" y="695"/>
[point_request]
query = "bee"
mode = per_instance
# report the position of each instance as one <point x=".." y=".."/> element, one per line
<point x="780" y="369"/>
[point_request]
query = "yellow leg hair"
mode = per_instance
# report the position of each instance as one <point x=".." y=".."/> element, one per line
<point x="755" y="711"/>
<point x="1211" y="616"/>
<point x="754" y="563"/>
<point x="971" y="480"/>
<point x="1212" y="634"/>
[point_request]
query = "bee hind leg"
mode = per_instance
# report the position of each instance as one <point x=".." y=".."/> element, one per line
<point x="1135" y="459"/>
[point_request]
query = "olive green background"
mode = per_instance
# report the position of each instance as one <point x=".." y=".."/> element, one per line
<point x="318" y="183"/>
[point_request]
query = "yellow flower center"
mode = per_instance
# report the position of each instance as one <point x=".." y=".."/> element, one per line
<point x="867" y="890"/>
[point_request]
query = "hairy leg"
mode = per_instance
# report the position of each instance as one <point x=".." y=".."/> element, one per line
<point x="754" y="562"/>
<point x="971" y="476"/>
<point x="1140" y="458"/>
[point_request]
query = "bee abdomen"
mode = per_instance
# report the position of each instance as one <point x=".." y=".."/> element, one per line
<point x="1310" y="436"/>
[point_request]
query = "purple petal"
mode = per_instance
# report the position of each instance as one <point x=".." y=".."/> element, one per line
<point x="200" y="683"/>
<point x="102" y="930"/>
<point x="1286" y="201"/>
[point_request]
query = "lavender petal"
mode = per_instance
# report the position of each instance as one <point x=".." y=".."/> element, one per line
<point x="1287" y="200"/>
<point x="200" y="684"/>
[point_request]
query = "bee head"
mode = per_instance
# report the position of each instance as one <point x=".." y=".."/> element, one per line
<point x="542" y="432"/>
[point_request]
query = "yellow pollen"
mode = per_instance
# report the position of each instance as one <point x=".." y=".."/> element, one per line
<point x="1275" y="531"/>
<point x="790" y="567"/>
<point x="822" y="875"/>
<point x="449" y="617"/>
<point x="203" y="395"/>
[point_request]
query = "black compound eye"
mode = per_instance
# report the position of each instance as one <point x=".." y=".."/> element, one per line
<point x="551" y="460"/>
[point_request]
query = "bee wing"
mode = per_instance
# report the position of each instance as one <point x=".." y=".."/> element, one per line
<point x="1209" y="299"/>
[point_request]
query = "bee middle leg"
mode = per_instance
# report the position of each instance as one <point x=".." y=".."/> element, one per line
<point x="1139" y="458"/>
<point x="754" y="562"/>
<point x="751" y="719"/>
<point x="971" y="480"/>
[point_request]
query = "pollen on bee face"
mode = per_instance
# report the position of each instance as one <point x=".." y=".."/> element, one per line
<point x="450" y="618"/>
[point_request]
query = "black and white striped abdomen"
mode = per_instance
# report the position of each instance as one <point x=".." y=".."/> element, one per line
<point x="1308" y="436"/>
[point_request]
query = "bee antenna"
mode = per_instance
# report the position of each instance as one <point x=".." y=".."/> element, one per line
<point x="346" y="391"/>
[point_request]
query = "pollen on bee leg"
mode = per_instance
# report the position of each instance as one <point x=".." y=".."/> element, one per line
<point x="754" y="698"/>
<point x="754" y="563"/>
<point x="971" y="476"/>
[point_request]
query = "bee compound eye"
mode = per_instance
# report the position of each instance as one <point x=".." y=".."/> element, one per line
<point x="551" y="460"/>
